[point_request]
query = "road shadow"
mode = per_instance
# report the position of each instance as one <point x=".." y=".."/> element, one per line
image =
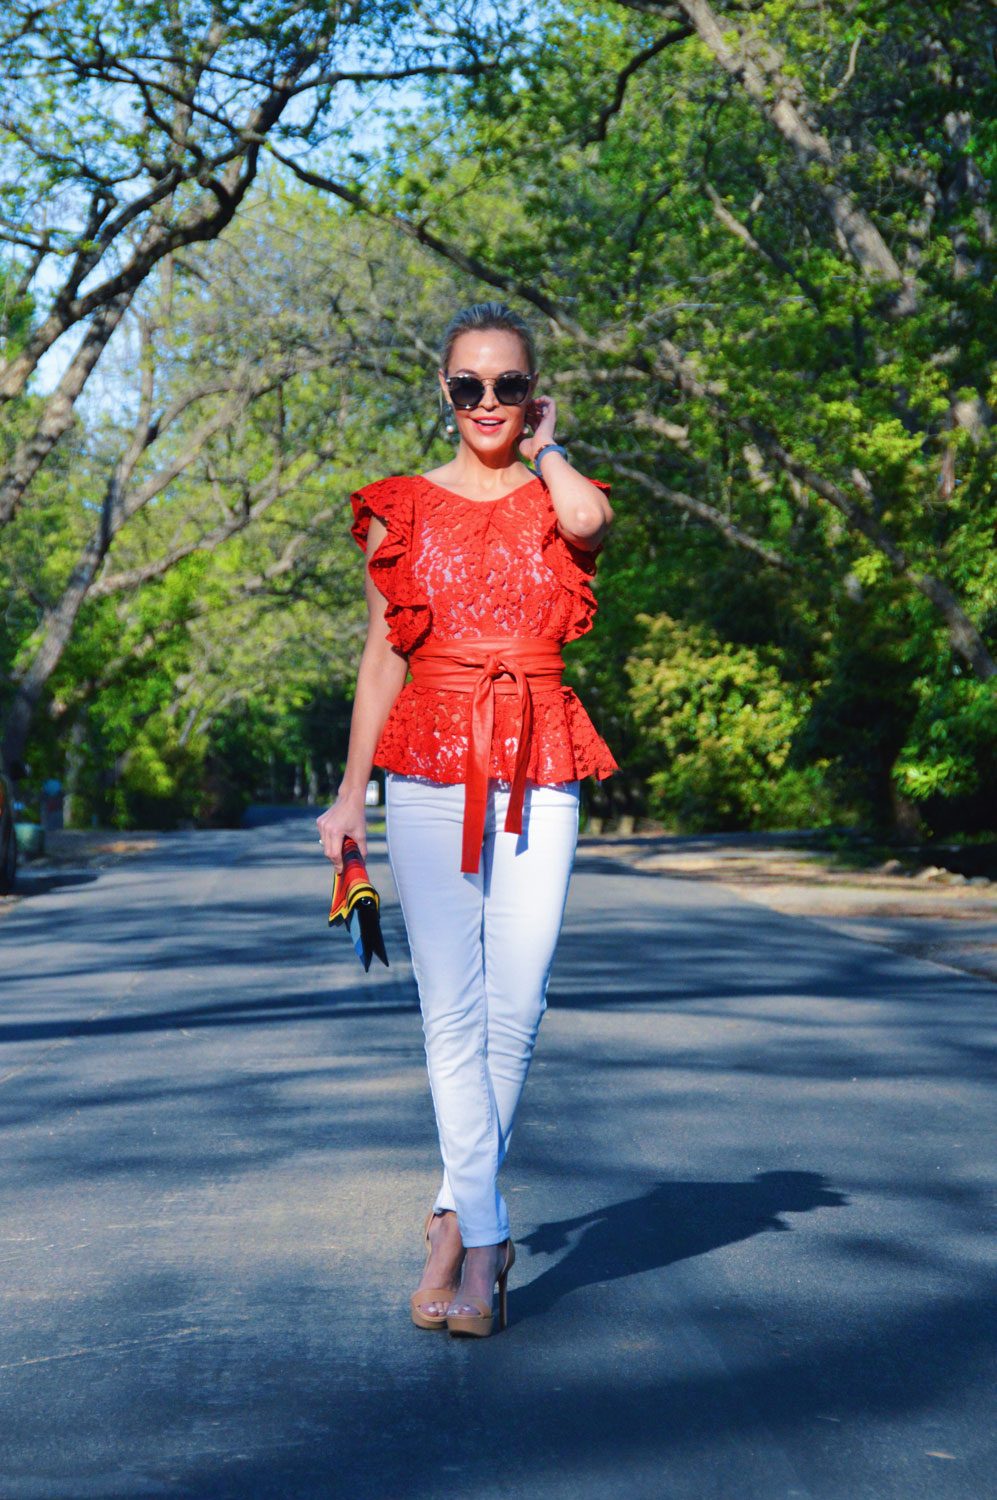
<point x="672" y="1221"/>
<point x="350" y="1003"/>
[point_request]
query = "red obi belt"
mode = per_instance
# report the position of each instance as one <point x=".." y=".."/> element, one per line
<point x="484" y="668"/>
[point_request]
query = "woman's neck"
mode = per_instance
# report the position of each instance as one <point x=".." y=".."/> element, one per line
<point x="489" y="474"/>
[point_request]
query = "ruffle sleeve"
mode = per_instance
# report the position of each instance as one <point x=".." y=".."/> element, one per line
<point x="574" y="569"/>
<point x="409" y="615"/>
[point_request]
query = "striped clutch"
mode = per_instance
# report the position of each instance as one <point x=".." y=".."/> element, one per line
<point x="356" y="904"/>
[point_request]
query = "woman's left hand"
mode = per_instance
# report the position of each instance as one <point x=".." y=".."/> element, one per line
<point x="542" y="416"/>
<point x="582" y="510"/>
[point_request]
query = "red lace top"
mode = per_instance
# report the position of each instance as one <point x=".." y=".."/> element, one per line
<point x="452" y="569"/>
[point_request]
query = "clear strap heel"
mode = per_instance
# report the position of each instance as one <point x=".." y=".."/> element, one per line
<point x="480" y="1323"/>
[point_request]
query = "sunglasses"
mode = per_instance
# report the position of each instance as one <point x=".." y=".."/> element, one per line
<point x="468" y="391"/>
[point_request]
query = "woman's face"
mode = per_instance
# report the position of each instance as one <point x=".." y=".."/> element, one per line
<point x="489" y="428"/>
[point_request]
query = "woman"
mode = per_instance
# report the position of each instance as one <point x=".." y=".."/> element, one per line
<point x="476" y="574"/>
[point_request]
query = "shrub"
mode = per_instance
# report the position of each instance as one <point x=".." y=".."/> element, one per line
<point x="719" y="722"/>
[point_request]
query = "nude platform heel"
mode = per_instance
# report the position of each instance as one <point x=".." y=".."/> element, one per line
<point x="427" y="1294"/>
<point x="480" y="1324"/>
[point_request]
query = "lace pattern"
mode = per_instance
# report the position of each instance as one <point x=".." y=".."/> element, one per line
<point x="452" y="568"/>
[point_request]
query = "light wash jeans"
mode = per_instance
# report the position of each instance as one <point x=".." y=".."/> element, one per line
<point x="482" y="947"/>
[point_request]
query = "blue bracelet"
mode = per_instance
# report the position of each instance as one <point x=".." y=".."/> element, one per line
<point x="548" y="448"/>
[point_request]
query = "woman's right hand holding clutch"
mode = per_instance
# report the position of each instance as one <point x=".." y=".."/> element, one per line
<point x="346" y="818"/>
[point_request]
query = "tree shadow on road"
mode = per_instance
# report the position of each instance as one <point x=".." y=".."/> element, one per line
<point x="673" y="1221"/>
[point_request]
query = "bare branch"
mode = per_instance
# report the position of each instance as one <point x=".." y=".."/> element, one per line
<point x="270" y="491"/>
<point x="849" y="72"/>
<point x="423" y="236"/>
<point x="744" y="234"/>
<point x="668" y="364"/>
<point x="762" y="80"/>
<point x="687" y="503"/>
<point x="57" y="415"/>
<point x="964" y="637"/>
<point x="599" y="129"/>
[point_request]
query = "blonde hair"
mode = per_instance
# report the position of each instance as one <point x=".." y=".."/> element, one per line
<point x="485" y="315"/>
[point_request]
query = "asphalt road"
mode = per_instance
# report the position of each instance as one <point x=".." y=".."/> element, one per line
<point x="752" y="1187"/>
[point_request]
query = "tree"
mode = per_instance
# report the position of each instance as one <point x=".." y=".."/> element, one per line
<point x="769" y="284"/>
<point x="203" y="559"/>
<point x="133" y="132"/>
<point x="766" y="280"/>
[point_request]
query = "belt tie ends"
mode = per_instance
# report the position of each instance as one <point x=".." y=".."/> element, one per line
<point x="484" y="668"/>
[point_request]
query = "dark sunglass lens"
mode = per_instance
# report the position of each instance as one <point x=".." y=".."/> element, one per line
<point x="466" y="391"/>
<point x="512" y="390"/>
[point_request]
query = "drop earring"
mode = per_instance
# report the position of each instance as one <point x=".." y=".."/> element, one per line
<point x="446" y="412"/>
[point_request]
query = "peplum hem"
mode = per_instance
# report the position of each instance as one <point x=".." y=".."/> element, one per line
<point x="427" y="735"/>
<point x="409" y="614"/>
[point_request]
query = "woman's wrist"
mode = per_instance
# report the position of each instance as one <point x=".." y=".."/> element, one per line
<point x="546" y="448"/>
<point x="349" y="793"/>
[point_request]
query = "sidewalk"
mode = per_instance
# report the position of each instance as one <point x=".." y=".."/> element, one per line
<point x="936" y="916"/>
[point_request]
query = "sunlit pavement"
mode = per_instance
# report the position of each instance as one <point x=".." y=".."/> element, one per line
<point x="751" y="1185"/>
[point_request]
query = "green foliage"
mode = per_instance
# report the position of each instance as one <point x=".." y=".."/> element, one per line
<point x="951" y="747"/>
<point x="719" y="723"/>
<point x="863" y="706"/>
<point x="682" y="221"/>
<point x="669" y="218"/>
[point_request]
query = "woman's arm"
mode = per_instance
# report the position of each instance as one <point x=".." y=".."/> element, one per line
<point x="379" y="681"/>
<point x="582" y="510"/>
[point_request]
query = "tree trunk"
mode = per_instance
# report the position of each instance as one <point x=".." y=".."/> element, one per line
<point x="75" y="759"/>
<point x="32" y="684"/>
<point x="53" y="636"/>
<point x="907" y="823"/>
<point x="58" y="414"/>
<point x="771" y="92"/>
